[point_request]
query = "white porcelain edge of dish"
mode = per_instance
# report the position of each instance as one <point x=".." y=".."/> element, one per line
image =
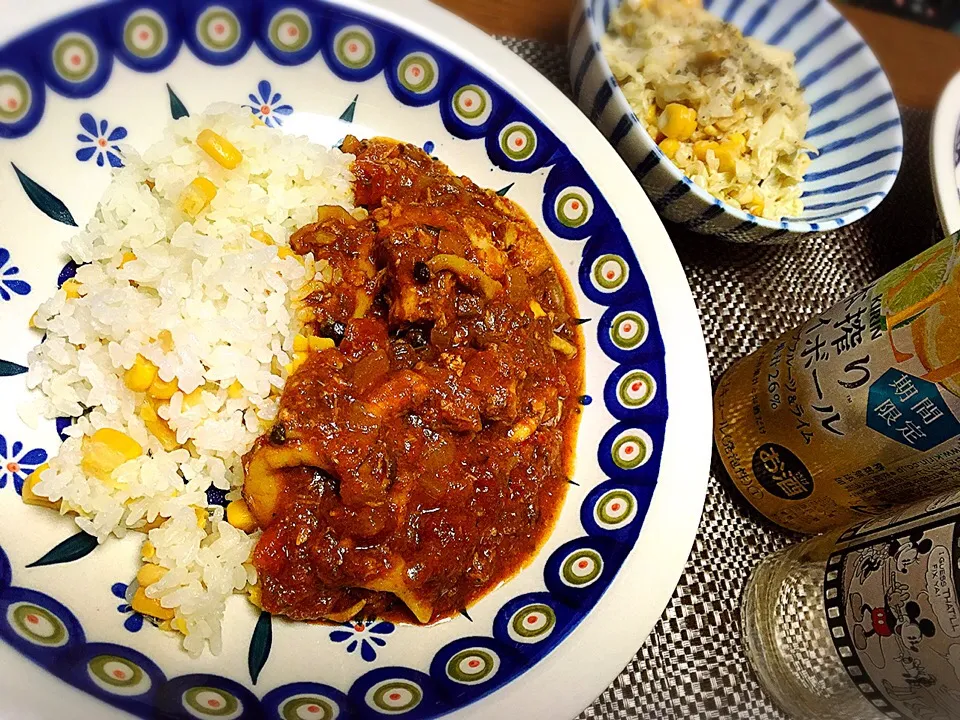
<point x="548" y="690"/>
<point x="944" y="137"/>
<point x="18" y="673"/>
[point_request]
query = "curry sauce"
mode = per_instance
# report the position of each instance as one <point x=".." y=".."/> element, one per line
<point x="424" y="458"/>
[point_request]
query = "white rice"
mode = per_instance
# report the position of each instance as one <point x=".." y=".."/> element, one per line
<point x="204" y="567"/>
<point x="226" y="299"/>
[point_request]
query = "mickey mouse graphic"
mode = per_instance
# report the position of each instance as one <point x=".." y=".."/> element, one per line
<point x="901" y="554"/>
<point x="904" y="621"/>
<point x="915" y="628"/>
<point x="907" y="552"/>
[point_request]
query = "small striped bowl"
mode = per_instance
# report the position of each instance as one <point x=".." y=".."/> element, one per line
<point x="854" y="119"/>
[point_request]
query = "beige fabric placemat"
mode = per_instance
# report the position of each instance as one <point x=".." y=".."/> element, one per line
<point x="693" y="665"/>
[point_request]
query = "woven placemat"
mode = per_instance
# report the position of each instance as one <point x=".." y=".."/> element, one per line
<point x="693" y="665"/>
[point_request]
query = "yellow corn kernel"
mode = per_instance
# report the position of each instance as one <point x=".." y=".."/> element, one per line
<point x="736" y="141"/>
<point x="165" y="626"/>
<point x="219" y="148"/>
<point x="201" y="516"/>
<point x="159" y="428"/>
<point x="255" y="595"/>
<point x="288" y="368"/>
<point x="148" y="551"/>
<point x="536" y="309"/>
<point x="652" y="114"/>
<point x="239" y="515"/>
<point x="180" y="625"/>
<point x="126" y="257"/>
<point x="30" y="497"/>
<point x="284" y="252"/>
<point x="196" y="196"/>
<point x="711" y="130"/>
<point x="165" y="338"/>
<point x="106" y="450"/>
<point x="318" y="343"/>
<point x="299" y="358"/>
<point x="150" y="606"/>
<point x="678" y="121"/>
<point x="194" y="398"/>
<point x="669" y="147"/>
<point x="701" y="146"/>
<point x="147" y="412"/>
<point x="72" y="288"/>
<point x="149" y="574"/>
<point x="261" y="236"/>
<point x="235" y="390"/>
<point x="300" y="343"/>
<point x="119" y="441"/>
<point x="141" y="375"/>
<point x="727" y="158"/>
<point x="162" y="389"/>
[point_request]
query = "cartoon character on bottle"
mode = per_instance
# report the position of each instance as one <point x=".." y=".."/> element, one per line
<point x="904" y="553"/>
<point x="904" y="623"/>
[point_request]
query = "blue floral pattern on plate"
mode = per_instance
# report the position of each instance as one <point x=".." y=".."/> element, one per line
<point x="8" y="278"/>
<point x="363" y="636"/>
<point x="266" y="105"/>
<point x="97" y="142"/>
<point x="135" y="622"/>
<point x="17" y="465"/>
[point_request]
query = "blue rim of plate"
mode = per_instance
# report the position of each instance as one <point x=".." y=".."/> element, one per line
<point x="358" y="47"/>
<point x="588" y="15"/>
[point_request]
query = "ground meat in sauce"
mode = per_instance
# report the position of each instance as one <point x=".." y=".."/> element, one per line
<point x="424" y="459"/>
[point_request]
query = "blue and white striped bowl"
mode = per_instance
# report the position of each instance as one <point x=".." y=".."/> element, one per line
<point x="854" y="119"/>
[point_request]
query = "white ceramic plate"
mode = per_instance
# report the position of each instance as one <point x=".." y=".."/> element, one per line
<point x="945" y="156"/>
<point x="349" y="68"/>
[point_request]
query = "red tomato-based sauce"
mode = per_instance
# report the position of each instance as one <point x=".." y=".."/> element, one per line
<point x="423" y="459"/>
